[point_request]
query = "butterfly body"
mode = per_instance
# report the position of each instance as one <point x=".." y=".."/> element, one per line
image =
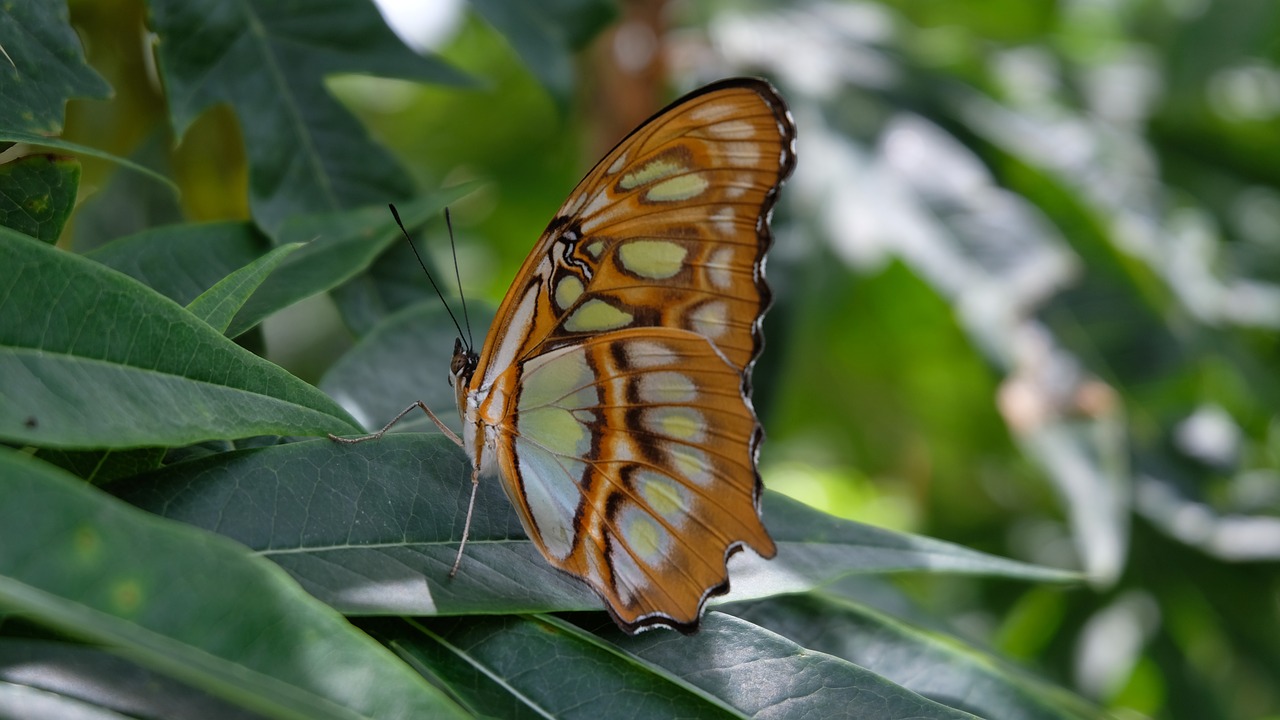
<point x="612" y="396"/>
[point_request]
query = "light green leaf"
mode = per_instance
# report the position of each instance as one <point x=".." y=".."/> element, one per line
<point x="220" y="303"/>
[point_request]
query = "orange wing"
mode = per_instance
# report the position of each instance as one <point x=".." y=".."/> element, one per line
<point x="668" y="230"/>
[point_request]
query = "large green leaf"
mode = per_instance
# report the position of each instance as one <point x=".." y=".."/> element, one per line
<point x="766" y="676"/>
<point x="403" y="360"/>
<point x="172" y="598"/>
<point x="89" y="358"/>
<point x="374" y="529"/>
<point x="72" y="677"/>
<point x="517" y="667"/>
<point x="929" y="663"/>
<point x="545" y="667"/>
<point x="183" y="261"/>
<point x="42" y="66"/>
<point x="268" y="61"/>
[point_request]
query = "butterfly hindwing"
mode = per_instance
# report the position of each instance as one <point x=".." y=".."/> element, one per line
<point x="634" y="453"/>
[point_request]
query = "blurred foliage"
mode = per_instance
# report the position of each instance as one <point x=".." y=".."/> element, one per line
<point x="1026" y="302"/>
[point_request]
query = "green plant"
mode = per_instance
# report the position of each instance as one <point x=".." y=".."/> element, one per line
<point x="175" y="527"/>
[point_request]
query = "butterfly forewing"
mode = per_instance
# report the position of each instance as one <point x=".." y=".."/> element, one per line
<point x="668" y="230"/>
<point x="613" y="391"/>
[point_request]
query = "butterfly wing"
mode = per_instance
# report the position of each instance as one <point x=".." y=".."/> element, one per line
<point x="613" y="392"/>
<point x="633" y="453"/>
<point x="668" y="230"/>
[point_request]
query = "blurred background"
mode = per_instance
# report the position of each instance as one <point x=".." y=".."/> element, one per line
<point x="1025" y="276"/>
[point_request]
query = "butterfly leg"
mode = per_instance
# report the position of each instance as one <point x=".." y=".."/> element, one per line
<point x="466" y="526"/>
<point x="418" y="404"/>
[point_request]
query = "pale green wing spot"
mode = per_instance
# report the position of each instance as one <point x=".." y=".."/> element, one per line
<point x="711" y="320"/>
<point x="596" y="316"/>
<point x="667" y="388"/>
<point x="568" y="290"/>
<point x="656" y="259"/>
<point x="681" y="187"/>
<point x="647" y="539"/>
<point x="664" y="496"/>
<point x="692" y="464"/>
<point x="676" y="422"/>
<point x="653" y="170"/>
<point x="556" y="404"/>
<point x="550" y="491"/>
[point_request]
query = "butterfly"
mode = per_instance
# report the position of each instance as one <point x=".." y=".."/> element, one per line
<point x="612" y="395"/>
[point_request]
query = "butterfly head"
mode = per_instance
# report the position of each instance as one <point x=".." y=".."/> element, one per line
<point x="461" y="369"/>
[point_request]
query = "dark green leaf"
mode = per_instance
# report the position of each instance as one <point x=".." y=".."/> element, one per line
<point x="546" y="35"/>
<point x="767" y="676"/>
<point x="307" y="154"/>
<point x="183" y="261"/>
<point x="338" y="247"/>
<point x="403" y="360"/>
<point x="78" y="149"/>
<point x="42" y="66"/>
<point x="128" y="202"/>
<point x="103" y="466"/>
<point x="171" y="598"/>
<point x="89" y="358"/>
<point x="934" y="665"/>
<point x="519" y="667"/>
<point x="79" y="675"/>
<point x="374" y="528"/>
<point x="37" y="193"/>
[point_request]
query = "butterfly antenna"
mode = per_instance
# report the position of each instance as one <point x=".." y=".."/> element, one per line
<point x="439" y="294"/>
<point x="458" y="276"/>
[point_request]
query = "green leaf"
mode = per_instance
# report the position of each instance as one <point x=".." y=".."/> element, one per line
<point x="766" y="675"/>
<point x="93" y="567"/>
<point x="78" y="149"/>
<point x="220" y="303"/>
<point x="391" y="283"/>
<point x="41" y="67"/>
<point x="370" y="528"/>
<point x="518" y="667"/>
<point x="90" y="358"/>
<point x="68" y="675"/>
<point x="546" y="35"/>
<point x="102" y="466"/>
<point x="929" y="663"/>
<point x="374" y="528"/>
<point x="37" y="193"/>
<point x="403" y="360"/>
<point x="182" y="262"/>
<point x="23" y="701"/>
<point x="307" y="154"/>
<point x="338" y="247"/>
<point x="129" y="202"/>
